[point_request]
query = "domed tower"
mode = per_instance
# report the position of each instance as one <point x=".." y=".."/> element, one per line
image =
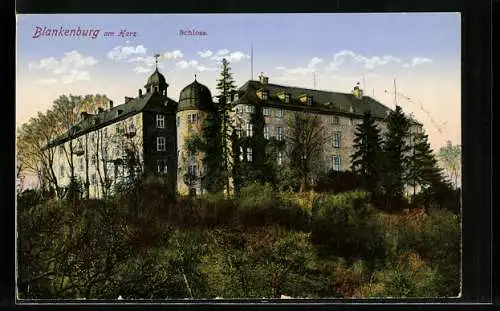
<point x="156" y="83"/>
<point x="195" y="104"/>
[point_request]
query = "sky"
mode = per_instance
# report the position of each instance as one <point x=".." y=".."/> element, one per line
<point x="419" y="51"/>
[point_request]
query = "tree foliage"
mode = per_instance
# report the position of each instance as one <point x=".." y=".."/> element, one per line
<point x="396" y="150"/>
<point x="305" y="139"/>
<point x="367" y="154"/>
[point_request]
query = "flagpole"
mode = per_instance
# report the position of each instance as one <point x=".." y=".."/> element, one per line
<point x="251" y="62"/>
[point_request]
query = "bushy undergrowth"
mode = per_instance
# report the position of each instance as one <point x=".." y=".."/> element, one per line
<point x="146" y="243"/>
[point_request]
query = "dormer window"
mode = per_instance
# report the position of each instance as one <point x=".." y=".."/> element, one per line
<point x="287" y="98"/>
<point x="264" y="95"/>
<point x="309" y="100"/>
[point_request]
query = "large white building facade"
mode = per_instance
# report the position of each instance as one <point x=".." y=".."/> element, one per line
<point x="149" y="133"/>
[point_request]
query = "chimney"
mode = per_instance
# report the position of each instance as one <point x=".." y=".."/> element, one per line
<point x="357" y="91"/>
<point x="263" y="79"/>
<point x="127" y="99"/>
<point x="140" y="92"/>
<point x="84" y="115"/>
<point x="110" y="104"/>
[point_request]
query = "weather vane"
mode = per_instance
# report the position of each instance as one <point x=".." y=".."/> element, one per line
<point x="156" y="59"/>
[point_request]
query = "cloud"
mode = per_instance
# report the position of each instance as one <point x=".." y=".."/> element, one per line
<point x="222" y="52"/>
<point x="183" y="64"/>
<point x="203" y="68"/>
<point x="205" y="53"/>
<point x="146" y="64"/>
<point x="70" y="67"/>
<point x="311" y="67"/>
<point x="233" y="57"/>
<point x="46" y="81"/>
<point x="344" y="56"/>
<point x="75" y="75"/>
<point x="187" y="64"/>
<point x="417" y="61"/>
<point x="122" y="52"/>
<point x="141" y="69"/>
<point x="173" y="55"/>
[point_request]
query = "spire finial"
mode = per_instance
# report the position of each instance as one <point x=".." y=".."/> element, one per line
<point x="195" y="77"/>
<point x="156" y="60"/>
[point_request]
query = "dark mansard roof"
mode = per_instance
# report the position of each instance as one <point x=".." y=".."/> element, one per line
<point x="325" y="102"/>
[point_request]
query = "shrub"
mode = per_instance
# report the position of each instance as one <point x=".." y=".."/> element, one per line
<point x="435" y="237"/>
<point x="336" y="182"/>
<point x="409" y="276"/>
<point x="345" y="225"/>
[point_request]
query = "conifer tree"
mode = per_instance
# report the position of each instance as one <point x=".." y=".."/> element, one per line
<point x="226" y="87"/>
<point x="422" y="170"/>
<point x="366" y="158"/>
<point x="213" y="171"/>
<point x="396" y="150"/>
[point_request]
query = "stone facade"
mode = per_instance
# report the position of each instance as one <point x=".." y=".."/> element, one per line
<point x="157" y="131"/>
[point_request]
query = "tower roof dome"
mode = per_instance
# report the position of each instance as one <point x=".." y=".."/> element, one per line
<point x="156" y="79"/>
<point x="195" y="96"/>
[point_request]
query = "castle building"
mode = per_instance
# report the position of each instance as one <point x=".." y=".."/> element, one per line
<point x="151" y="132"/>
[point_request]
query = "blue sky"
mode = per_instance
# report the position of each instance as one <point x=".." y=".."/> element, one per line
<point x="420" y="50"/>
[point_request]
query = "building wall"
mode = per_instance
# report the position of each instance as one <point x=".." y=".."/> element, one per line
<point x="185" y="130"/>
<point x="345" y="127"/>
<point x="152" y="155"/>
<point x="100" y="148"/>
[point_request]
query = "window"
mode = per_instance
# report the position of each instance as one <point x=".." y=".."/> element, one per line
<point x="105" y="132"/>
<point x="351" y="121"/>
<point x="279" y="133"/>
<point x="61" y="150"/>
<point x="241" y="153"/>
<point x="82" y="165"/>
<point x="334" y="120"/>
<point x="239" y="109"/>
<point x="93" y="179"/>
<point x="336" y="140"/>
<point x="280" y="158"/>
<point x="61" y="169"/>
<point x="94" y="159"/>
<point x="249" y="129"/>
<point x="239" y="132"/>
<point x="279" y="113"/>
<point x="193" y="169"/>
<point x="287" y="98"/>
<point x="160" y="144"/>
<point x="266" y="132"/>
<point x="264" y="95"/>
<point x="336" y="163"/>
<point x="161" y="166"/>
<point x="266" y="111"/>
<point x="309" y="100"/>
<point x="249" y="154"/>
<point x="160" y="121"/>
<point x="119" y="129"/>
<point x="193" y="118"/>
<point x="250" y="108"/>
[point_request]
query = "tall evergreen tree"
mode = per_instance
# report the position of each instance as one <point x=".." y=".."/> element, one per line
<point x="366" y="158"/>
<point x="423" y="169"/>
<point x="396" y="150"/>
<point x="226" y="86"/>
<point x="213" y="177"/>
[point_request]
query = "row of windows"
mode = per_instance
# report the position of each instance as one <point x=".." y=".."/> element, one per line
<point x="249" y="156"/>
<point x="249" y="132"/>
